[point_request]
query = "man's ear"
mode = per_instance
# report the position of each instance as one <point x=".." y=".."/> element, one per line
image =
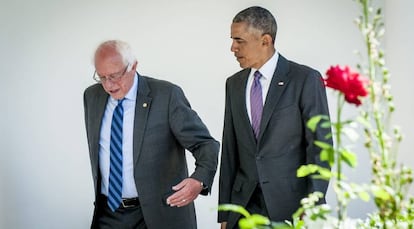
<point x="267" y="40"/>
<point x="134" y="66"/>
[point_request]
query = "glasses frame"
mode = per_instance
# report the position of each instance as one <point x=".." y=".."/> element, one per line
<point x="113" y="78"/>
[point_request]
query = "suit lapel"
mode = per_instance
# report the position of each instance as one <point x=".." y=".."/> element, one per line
<point x="240" y="103"/>
<point x="142" y="107"/>
<point x="279" y="82"/>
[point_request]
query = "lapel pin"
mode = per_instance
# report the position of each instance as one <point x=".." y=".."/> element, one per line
<point x="144" y="105"/>
<point x="281" y="83"/>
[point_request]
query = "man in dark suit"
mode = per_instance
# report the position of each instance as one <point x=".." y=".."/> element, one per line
<point x="265" y="138"/>
<point x="138" y="129"/>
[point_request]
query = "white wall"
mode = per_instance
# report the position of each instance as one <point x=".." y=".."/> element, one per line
<point x="400" y="52"/>
<point x="45" y="64"/>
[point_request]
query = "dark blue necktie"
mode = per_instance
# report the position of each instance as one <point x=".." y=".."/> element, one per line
<point x="256" y="103"/>
<point x="115" y="166"/>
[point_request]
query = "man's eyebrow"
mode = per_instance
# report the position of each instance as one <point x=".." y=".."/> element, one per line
<point x="237" y="38"/>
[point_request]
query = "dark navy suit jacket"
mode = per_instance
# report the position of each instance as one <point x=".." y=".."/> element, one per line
<point x="296" y="93"/>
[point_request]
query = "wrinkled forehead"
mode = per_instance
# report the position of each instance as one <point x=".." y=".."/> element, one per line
<point x="107" y="56"/>
<point x="105" y="52"/>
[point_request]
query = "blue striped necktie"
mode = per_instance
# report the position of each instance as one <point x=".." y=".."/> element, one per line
<point x="256" y="103"/>
<point x="115" y="166"/>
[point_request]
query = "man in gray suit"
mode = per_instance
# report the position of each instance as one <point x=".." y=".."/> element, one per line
<point x="265" y="138"/>
<point x="138" y="129"/>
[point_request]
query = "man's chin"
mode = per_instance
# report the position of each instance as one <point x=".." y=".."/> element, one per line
<point x="116" y="96"/>
<point x="243" y="65"/>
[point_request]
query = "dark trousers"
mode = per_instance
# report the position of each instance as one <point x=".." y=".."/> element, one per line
<point x="256" y="205"/>
<point x="125" y="218"/>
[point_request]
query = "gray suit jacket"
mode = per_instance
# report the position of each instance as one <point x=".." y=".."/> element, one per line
<point x="296" y="94"/>
<point x="163" y="129"/>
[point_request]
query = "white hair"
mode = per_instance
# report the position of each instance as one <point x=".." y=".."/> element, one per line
<point x="124" y="50"/>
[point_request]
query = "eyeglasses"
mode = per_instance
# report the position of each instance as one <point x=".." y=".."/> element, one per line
<point x="113" y="77"/>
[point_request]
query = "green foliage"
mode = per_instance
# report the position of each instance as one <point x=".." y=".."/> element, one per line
<point x="252" y="221"/>
<point x="390" y="183"/>
<point x="313" y="122"/>
<point x="317" y="171"/>
<point x="234" y="208"/>
<point x="348" y="157"/>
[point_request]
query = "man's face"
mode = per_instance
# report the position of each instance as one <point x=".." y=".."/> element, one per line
<point x="247" y="45"/>
<point x="109" y="65"/>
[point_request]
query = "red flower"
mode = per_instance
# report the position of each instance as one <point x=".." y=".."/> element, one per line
<point x="351" y="84"/>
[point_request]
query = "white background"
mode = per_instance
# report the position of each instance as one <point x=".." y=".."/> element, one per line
<point x="46" y="52"/>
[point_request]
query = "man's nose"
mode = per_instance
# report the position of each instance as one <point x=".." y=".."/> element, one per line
<point x="233" y="47"/>
<point x="108" y="83"/>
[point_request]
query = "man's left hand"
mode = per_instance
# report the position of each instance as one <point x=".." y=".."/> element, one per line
<point x="185" y="192"/>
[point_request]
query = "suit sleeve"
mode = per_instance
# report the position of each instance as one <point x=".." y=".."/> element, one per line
<point x="314" y="102"/>
<point x="193" y="135"/>
<point x="86" y="114"/>
<point x="228" y="164"/>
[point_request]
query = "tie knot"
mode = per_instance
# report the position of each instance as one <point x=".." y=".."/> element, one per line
<point x="120" y="101"/>
<point x="257" y="75"/>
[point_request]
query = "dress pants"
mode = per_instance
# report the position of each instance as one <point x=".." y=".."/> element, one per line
<point x="256" y="205"/>
<point x="125" y="218"/>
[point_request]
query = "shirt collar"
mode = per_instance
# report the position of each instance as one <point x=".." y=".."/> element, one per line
<point x="268" y="69"/>
<point x="132" y="93"/>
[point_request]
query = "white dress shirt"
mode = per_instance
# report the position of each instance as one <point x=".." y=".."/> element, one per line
<point x="129" y="189"/>
<point x="267" y="71"/>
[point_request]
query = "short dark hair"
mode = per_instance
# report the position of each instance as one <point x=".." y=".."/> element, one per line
<point x="258" y="18"/>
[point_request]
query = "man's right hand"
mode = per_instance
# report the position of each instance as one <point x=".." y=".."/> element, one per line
<point x="223" y="225"/>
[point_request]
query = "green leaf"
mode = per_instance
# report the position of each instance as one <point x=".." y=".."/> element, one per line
<point x="320" y="177"/>
<point x="300" y="224"/>
<point x="298" y="213"/>
<point x="328" y="136"/>
<point x="313" y="122"/>
<point x="349" y="157"/>
<point x="323" y="145"/>
<point x="381" y="194"/>
<point x="328" y="155"/>
<point x="259" y="219"/>
<point x="246" y="223"/>
<point x="324" y="155"/>
<point x="281" y="226"/>
<point x="325" y="173"/>
<point x="306" y="170"/>
<point x="317" y="171"/>
<point x="363" y="195"/>
<point x="326" y="124"/>
<point x="234" y="208"/>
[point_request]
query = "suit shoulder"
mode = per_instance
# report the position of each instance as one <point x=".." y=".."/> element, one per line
<point x="238" y="75"/>
<point x="303" y="71"/>
<point x="160" y="85"/>
<point x="302" y="67"/>
<point x="93" y="89"/>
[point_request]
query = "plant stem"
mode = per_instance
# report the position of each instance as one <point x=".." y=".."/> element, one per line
<point x="372" y="73"/>
<point x="338" y="132"/>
